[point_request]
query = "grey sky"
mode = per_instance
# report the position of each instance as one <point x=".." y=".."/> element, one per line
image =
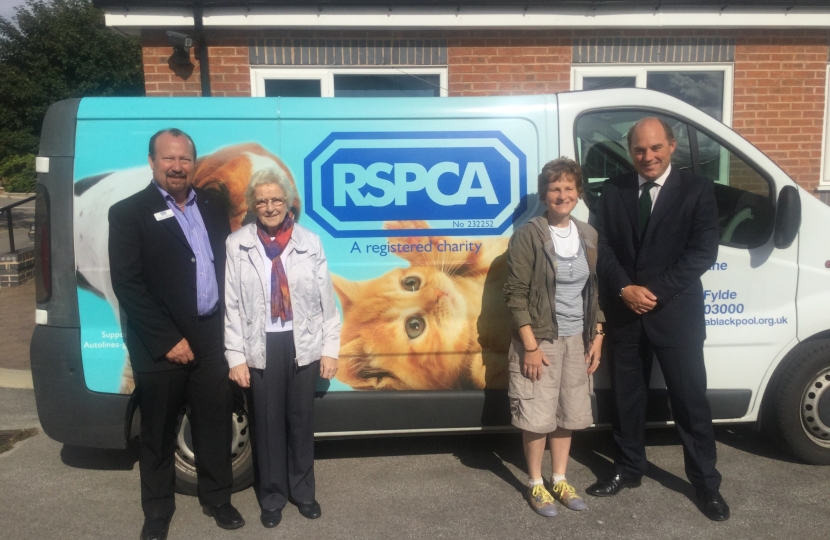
<point x="7" y="7"/>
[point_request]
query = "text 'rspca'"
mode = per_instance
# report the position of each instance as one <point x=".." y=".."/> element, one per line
<point x="395" y="181"/>
<point x="358" y="182"/>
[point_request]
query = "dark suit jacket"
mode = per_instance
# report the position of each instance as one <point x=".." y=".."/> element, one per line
<point x="153" y="272"/>
<point x="679" y="244"/>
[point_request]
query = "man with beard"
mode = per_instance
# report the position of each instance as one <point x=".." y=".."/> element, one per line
<point x="167" y="262"/>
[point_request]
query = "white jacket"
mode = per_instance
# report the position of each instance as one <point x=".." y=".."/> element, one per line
<point x="316" y="319"/>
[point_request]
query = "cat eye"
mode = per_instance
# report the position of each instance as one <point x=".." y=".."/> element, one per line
<point x="411" y="283"/>
<point x="377" y="374"/>
<point x="415" y="326"/>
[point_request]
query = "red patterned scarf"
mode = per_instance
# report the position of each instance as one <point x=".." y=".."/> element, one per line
<point x="280" y="296"/>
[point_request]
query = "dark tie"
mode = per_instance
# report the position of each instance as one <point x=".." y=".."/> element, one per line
<point x="645" y="206"/>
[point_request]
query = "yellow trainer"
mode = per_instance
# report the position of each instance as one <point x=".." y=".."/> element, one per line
<point x="541" y="501"/>
<point x="566" y="494"/>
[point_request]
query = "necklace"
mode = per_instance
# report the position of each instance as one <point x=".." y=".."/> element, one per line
<point x="181" y="206"/>
<point x="553" y="229"/>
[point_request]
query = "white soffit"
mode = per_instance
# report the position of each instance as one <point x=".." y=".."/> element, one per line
<point x="469" y="18"/>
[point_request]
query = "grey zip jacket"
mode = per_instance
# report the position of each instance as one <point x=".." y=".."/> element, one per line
<point x="530" y="289"/>
<point x="316" y="319"/>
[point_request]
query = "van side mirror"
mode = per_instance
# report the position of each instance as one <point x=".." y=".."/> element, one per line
<point x="787" y="217"/>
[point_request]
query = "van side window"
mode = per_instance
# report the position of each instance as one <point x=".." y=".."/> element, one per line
<point x="747" y="214"/>
<point x="743" y="195"/>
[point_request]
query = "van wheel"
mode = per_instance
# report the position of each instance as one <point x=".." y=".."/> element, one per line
<point x="241" y="456"/>
<point x="801" y="406"/>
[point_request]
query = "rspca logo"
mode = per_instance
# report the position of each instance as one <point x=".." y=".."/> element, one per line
<point x="459" y="183"/>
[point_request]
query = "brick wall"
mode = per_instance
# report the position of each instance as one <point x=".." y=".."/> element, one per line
<point x="779" y="83"/>
<point x="779" y="98"/>
<point x="230" y="73"/>
<point x="17" y="268"/>
<point x="508" y="63"/>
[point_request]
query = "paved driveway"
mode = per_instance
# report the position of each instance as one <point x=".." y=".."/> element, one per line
<point x="23" y="217"/>
<point x="426" y="487"/>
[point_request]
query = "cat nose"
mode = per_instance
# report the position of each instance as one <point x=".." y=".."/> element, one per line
<point x="439" y="294"/>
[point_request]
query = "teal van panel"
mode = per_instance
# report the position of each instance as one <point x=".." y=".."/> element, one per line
<point x="178" y="108"/>
<point x="406" y="108"/>
<point x="414" y="200"/>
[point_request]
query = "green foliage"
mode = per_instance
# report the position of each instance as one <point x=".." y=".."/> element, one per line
<point x="54" y="50"/>
<point x="17" y="174"/>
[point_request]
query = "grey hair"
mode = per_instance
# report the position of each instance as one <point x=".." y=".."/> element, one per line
<point x="271" y="176"/>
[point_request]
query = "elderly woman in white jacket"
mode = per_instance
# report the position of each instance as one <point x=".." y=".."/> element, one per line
<point x="281" y="329"/>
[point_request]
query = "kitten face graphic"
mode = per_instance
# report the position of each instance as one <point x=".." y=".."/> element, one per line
<point x="417" y="328"/>
<point x="407" y="329"/>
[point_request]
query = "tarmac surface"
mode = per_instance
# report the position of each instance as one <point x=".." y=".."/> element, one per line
<point x="455" y="487"/>
<point x="17" y="322"/>
<point x="17" y="304"/>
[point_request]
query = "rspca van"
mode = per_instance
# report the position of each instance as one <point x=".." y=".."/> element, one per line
<point x="414" y="200"/>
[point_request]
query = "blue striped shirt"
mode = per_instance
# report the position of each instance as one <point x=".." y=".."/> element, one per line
<point x="193" y="227"/>
<point x="571" y="275"/>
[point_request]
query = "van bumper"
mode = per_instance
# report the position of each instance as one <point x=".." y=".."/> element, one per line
<point x="69" y="412"/>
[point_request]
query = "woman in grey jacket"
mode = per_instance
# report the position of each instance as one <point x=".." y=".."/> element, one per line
<point x="281" y="329"/>
<point x="551" y="290"/>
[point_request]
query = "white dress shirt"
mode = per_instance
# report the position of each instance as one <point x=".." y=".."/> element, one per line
<point x="658" y="184"/>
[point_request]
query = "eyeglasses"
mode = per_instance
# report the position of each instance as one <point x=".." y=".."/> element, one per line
<point x="276" y="202"/>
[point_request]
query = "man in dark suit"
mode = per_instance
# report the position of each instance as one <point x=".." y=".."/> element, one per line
<point x="658" y="234"/>
<point x="167" y="263"/>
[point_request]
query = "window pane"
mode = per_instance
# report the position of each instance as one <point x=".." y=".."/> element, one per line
<point x="602" y="147"/>
<point x="701" y="89"/>
<point x="292" y="88"/>
<point x="387" y="86"/>
<point x="601" y="83"/>
<point x="744" y="204"/>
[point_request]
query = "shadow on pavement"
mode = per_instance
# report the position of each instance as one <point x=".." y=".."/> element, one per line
<point x="747" y="438"/>
<point x="491" y="453"/>
<point x="595" y="450"/>
<point x="101" y="459"/>
<point x="488" y="452"/>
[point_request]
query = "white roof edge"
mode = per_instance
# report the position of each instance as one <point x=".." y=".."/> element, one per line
<point x="466" y="18"/>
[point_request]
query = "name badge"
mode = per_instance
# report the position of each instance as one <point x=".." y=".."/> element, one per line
<point x="163" y="215"/>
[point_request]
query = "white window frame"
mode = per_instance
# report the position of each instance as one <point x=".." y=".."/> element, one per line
<point x="326" y="75"/>
<point x="640" y="72"/>
<point x="824" y="180"/>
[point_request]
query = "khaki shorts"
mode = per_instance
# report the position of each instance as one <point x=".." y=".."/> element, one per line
<point x="561" y="398"/>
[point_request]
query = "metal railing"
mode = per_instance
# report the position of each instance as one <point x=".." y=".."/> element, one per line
<point x="8" y="211"/>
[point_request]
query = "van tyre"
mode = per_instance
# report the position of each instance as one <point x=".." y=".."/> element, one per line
<point x="241" y="455"/>
<point x="800" y="406"/>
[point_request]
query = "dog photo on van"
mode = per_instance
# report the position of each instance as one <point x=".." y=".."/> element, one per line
<point x="228" y="171"/>
<point x="414" y="328"/>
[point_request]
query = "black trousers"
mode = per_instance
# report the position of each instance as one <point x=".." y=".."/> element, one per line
<point x="283" y="425"/>
<point x="685" y="375"/>
<point x="204" y="385"/>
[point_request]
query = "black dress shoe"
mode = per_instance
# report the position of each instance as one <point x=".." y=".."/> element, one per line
<point x="713" y="505"/>
<point x="155" y="529"/>
<point x="613" y="485"/>
<point x="310" y="510"/>
<point x="225" y="514"/>
<point x="270" y="518"/>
